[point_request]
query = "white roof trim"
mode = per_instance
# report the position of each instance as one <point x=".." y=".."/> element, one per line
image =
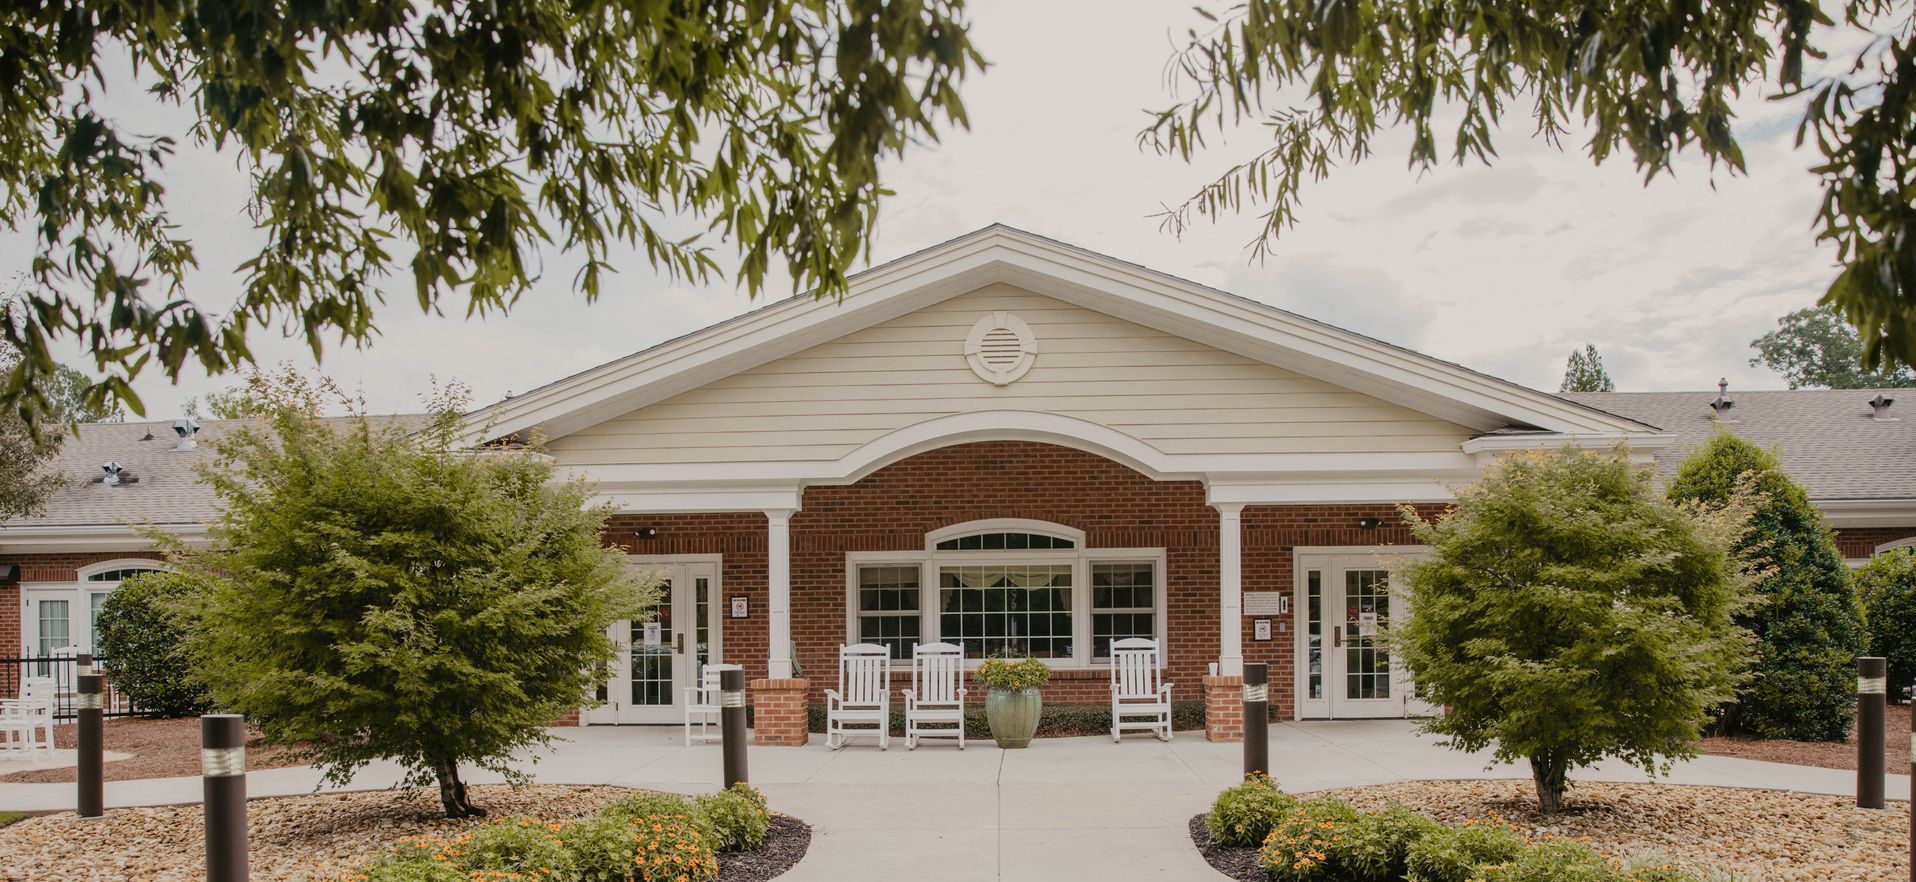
<point x="52" y="539"/>
<point x="1124" y="290"/>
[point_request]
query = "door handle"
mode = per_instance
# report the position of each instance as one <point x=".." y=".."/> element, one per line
<point x="1337" y="636"/>
<point x="678" y="643"/>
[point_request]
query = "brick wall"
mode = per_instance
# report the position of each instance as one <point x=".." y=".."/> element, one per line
<point x="893" y="509"/>
<point x="1861" y="542"/>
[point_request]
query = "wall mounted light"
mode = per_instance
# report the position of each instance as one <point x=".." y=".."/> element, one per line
<point x="1368" y="523"/>
<point x="648" y="533"/>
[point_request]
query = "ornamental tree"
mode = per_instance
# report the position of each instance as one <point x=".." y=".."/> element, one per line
<point x="373" y="592"/>
<point x="1806" y="619"/>
<point x="144" y="647"/>
<point x="1567" y="613"/>
<point x="1887" y="588"/>
<point x="446" y="143"/>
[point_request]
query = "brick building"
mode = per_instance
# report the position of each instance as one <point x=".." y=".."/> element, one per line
<point x="1003" y="442"/>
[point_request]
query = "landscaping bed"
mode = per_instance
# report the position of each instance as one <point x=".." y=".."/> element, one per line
<point x="320" y="837"/>
<point x="1827" y="754"/>
<point x="158" y="748"/>
<point x="1769" y="835"/>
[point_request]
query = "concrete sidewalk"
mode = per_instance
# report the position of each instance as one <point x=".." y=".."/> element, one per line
<point x="1098" y="809"/>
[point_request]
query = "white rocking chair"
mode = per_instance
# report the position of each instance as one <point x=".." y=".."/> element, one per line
<point x="863" y="696"/>
<point x="1139" y="701"/>
<point x="937" y="694"/>
<point x="702" y="702"/>
<point x="26" y="722"/>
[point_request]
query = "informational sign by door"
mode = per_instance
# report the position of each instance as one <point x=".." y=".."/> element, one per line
<point x="1261" y="603"/>
<point x="653" y="635"/>
<point x="1367" y="624"/>
<point x="738" y="607"/>
<point x="1261" y="629"/>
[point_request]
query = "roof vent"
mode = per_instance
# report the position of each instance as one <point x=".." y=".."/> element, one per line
<point x="186" y="428"/>
<point x="1879" y="407"/>
<point x="1722" y="402"/>
<point x="148" y="436"/>
<point x="115" y="475"/>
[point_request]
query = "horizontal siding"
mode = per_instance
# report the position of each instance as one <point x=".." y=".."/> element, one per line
<point x="1178" y="395"/>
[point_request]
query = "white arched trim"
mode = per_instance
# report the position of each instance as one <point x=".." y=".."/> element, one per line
<point x="1004" y="525"/>
<point x="1892" y="546"/>
<point x="123" y="563"/>
<point x="1002" y="425"/>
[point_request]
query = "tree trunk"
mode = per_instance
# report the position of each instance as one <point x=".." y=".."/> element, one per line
<point x="452" y="792"/>
<point x="1548" y="771"/>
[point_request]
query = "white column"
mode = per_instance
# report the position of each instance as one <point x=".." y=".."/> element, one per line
<point x="778" y="578"/>
<point x="1230" y="590"/>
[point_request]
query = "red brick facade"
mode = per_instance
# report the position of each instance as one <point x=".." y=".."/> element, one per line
<point x="1116" y="507"/>
<point x="45" y="568"/>
<point x="1857" y="543"/>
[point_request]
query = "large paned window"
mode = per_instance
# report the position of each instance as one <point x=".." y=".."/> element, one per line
<point x="888" y="607"/>
<point x="1007" y="588"/>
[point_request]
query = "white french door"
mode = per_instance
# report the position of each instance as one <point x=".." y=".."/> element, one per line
<point x="658" y="659"/>
<point x="1344" y="670"/>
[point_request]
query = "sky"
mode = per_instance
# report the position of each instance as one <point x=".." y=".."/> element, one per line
<point x="1505" y="268"/>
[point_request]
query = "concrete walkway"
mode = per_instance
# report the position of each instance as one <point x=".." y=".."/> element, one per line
<point x="1074" y="808"/>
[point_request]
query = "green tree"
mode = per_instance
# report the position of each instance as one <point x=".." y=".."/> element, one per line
<point x="25" y="484"/>
<point x="1567" y="613"/>
<point x="1806" y="619"/>
<point x="372" y="593"/>
<point x="448" y="139"/>
<point x="1817" y="348"/>
<point x="1584" y="372"/>
<point x="1644" y="79"/>
<point x="143" y="644"/>
<point x="1886" y="587"/>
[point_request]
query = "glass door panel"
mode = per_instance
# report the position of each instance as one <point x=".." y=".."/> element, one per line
<point x="653" y="659"/>
<point x="1344" y="607"/>
<point x="657" y="659"/>
<point x="1367" y="612"/>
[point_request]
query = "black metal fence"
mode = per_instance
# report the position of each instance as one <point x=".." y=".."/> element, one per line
<point x="64" y="672"/>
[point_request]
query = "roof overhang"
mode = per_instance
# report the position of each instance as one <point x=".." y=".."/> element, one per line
<point x="84" y="538"/>
<point x="1854" y="513"/>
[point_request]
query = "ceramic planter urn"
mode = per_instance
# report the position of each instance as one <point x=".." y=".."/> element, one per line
<point x="1013" y="715"/>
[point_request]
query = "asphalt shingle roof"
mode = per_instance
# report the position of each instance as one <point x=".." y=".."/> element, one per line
<point x="167" y="492"/>
<point x="1826" y="438"/>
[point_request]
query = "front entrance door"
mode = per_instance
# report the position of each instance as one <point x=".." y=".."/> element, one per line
<point x="1344" y="670"/>
<point x="658" y="659"/>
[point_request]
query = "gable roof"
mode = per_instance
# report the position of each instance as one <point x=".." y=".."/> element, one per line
<point x="1826" y="438"/>
<point x="1074" y="275"/>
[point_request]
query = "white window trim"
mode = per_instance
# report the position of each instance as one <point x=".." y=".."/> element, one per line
<point x="1887" y="547"/>
<point x="1005" y="525"/>
<point x="79" y="596"/>
<point x="1080" y="558"/>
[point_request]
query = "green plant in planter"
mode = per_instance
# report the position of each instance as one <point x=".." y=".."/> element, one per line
<point x="1012" y="701"/>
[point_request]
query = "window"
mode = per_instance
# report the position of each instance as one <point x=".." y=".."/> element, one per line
<point x="888" y="609"/>
<point x="1002" y="541"/>
<point x="94" y="601"/>
<point x="1123" y="604"/>
<point x="1007" y="610"/>
<point x="1006" y="586"/>
<point x="53" y="626"/>
<point x="118" y="574"/>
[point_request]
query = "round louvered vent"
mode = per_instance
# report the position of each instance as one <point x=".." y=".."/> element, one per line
<point x="1000" y="348"/>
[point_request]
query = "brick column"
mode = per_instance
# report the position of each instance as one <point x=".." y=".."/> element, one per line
<point x="778" y="712"/>
<point x="1224" y="708"/>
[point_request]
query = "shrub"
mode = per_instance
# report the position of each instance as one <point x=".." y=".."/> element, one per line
<point x="1454" y="854"/>
<point x="1568" y="613"/>
<point x="651" y="803"/>
<point x="143" y="646"/>
<point x="1375" y="847"/>
<point x="602" y="848"/>
<point x="737" y="817"/>
<point x="414" y="868"/>
<point x="1246" y="814"/>
<point x="673" y="848"/>
<point x="1807" y="622"/>
<point x="1016" y="676"/>
<point x="1299" y="849"/>
<point x="1556" y="860"/>
<point x="527" y="846"/>
<point x="1887" y="588"/>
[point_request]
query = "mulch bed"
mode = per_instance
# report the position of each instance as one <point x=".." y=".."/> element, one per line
<point x="300" y="838"/>
<point x="1827" y="754"/>
<point x="159" y="748"/>
<point x="785" y="845"/>
<point x="1771" y="835"/>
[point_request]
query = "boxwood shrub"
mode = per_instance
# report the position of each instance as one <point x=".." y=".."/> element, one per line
<point x="1247" y="813"/>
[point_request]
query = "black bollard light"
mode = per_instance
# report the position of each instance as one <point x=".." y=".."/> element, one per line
<point x="1257" y="730"/>
<point x="223" y="773"/>
<point x="1872" y="682"/>
<point x="732" y="724"/>
<point x="91" y="714"/>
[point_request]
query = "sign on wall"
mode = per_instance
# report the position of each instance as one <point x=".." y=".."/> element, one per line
<point x="1262" y="603"/>
<point x="738" y="607"/>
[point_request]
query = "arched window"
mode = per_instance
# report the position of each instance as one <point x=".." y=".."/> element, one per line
<point x="1007" y="586"/>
